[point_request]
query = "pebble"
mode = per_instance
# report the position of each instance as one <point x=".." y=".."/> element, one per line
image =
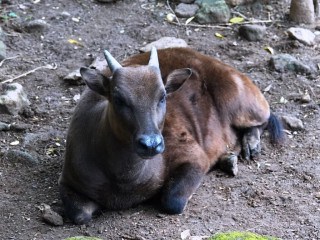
<point x="305" y="98"/>
<point x="304" y="36"/>
<point x="74" y="78"/>
<point x="4" y="126"/>
<point x="293" y="123"/>
<point x="252" y="32"/>
<point x="165" y="42"/>
<point x="13" y="98"/>
<point x="37" y="25"/>
<point x="212" y="11"/>
<point x="302" y="11"/>
<point x="186" y="10"/>
<point x="286" y="62"/>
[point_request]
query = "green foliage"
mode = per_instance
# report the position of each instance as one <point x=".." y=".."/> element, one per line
<point x="241" y="236"/>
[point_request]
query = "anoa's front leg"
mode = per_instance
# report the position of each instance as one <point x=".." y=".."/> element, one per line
<point x="78" y="208"/>
<point x="182" y="183"/>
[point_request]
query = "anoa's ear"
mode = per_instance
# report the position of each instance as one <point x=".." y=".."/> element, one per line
<point x="176" y="78"/>
<point x="95" y="81"/>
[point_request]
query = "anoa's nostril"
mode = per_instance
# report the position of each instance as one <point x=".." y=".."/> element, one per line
<point x="145" y="142"/>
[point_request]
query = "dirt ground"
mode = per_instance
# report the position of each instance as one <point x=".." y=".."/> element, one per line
<point x="277" y="194"/>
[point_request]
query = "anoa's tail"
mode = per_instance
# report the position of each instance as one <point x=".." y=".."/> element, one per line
<point x="275" y="129"/>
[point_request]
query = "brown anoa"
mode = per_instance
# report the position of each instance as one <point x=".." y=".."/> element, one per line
<point x="154" y="126"/>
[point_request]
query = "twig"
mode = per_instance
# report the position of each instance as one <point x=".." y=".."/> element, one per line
<point x="173" y="12"/>
<point x="239" y="14"/>
<point x="251" y="22"/>
<point x="199" y="26"/>
<point x="48" y="66"/>
<point x="9" y="58"/>
<point x="223" y="26"/>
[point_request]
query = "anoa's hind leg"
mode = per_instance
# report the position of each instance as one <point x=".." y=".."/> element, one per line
<point x="182" y="183"/>
<point x="228" y="163"/>
<point x="250" y="142"/>
<point x="78" y="208"/>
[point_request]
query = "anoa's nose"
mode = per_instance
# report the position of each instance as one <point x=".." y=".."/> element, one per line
<point x="150" y="145"/>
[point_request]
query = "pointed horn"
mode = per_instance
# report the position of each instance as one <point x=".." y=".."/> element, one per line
<point x="112" y="62"/>
<point x="154" y="61"/>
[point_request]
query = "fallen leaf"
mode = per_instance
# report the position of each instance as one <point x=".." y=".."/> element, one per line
<point x="189" y="20"/>
<point x="269" y="49"/>
<point x="267" y="89"/>
<point x="75" y="42"/>
<point x="218" y="35"/>
<point x="236" y="20"/>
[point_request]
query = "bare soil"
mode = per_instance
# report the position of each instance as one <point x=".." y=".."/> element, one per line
<point x="277" y="194"/>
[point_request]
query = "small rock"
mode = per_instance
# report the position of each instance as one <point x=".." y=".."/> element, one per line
<point x="252" y="32"/>
<point x="165" y="42"/>
<point x="18" y="156"/>
<point x="286" y="62"/>
<point x="13" y="99"/>
<point x="50" y="216"/>
<point x="186" y="10"/>
<point x="212" y="11"/>
<point x="305" y="98"/>
<point x="37" y="25"/>
<point x="302" y="11"/>
<point x="4" y="126"/>
<point x="74" y="78"/>
<point x="293" y="123"/>
<point x="65" y="14"/>
<point x="302" y="35"/>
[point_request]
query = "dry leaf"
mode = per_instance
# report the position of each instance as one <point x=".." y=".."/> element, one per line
<point x="218" y="35"/>
<point x="236" y="20"/>
<point x="269" y="49"/>
<point x="75" y="42"/>
<point x="189" y="20"/>
<point x="267" y="89"/>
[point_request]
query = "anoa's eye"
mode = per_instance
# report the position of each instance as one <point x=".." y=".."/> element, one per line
<point x="162" y="99"/>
